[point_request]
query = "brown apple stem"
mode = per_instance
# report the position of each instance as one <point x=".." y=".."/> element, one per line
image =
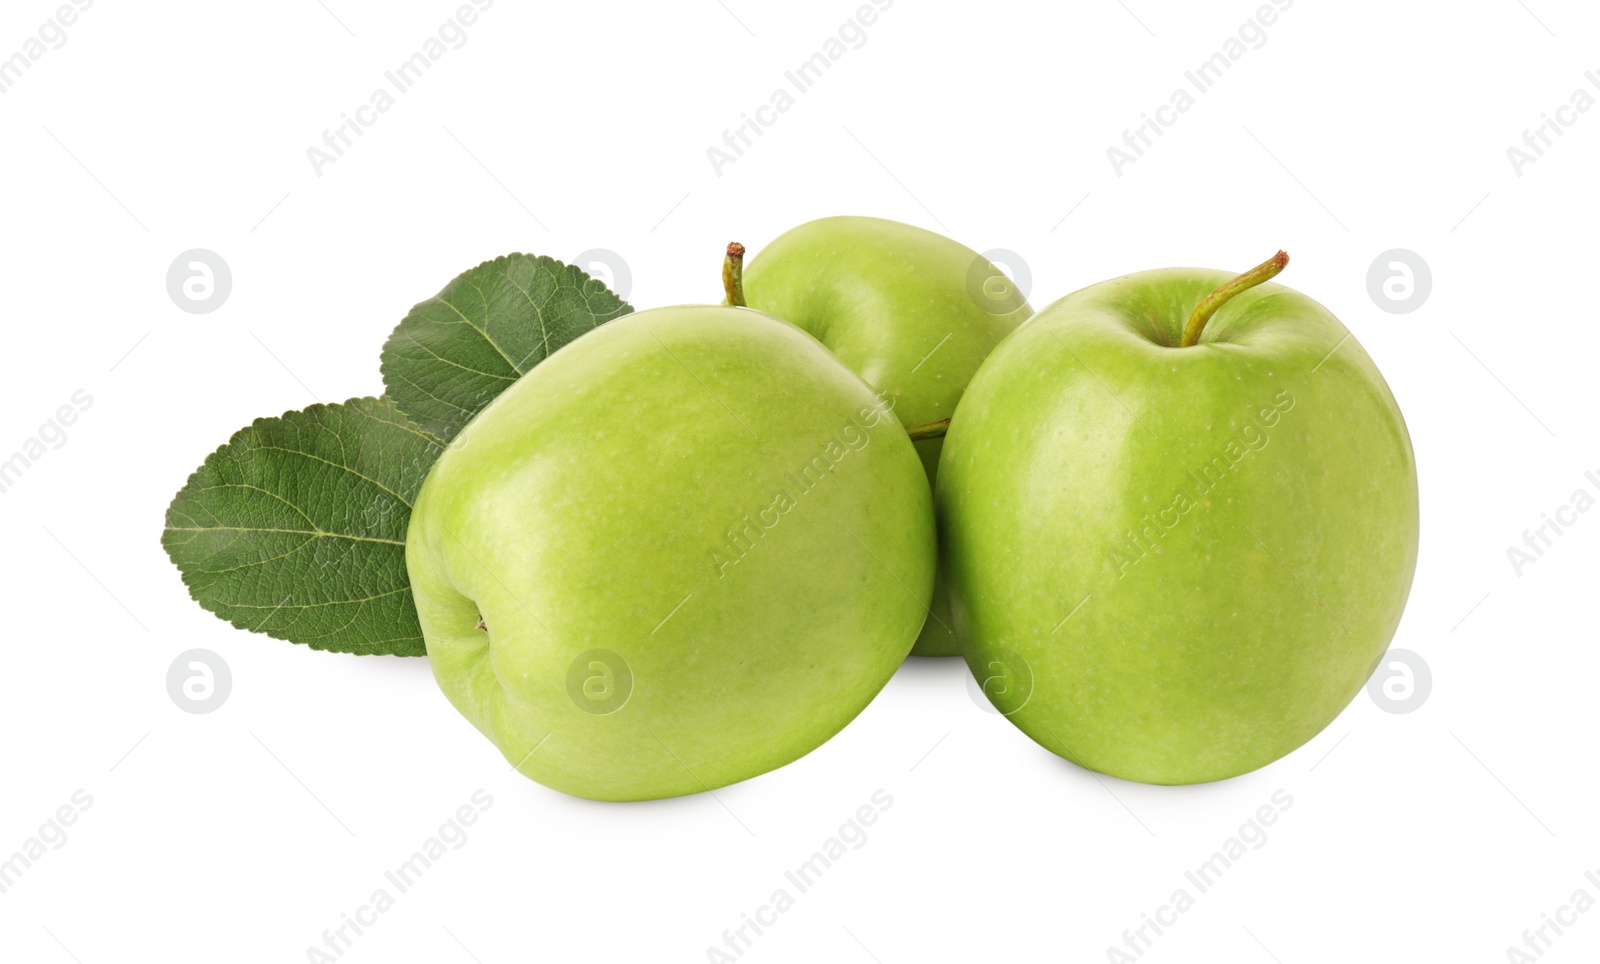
<point x="733" y="274"/>
<point x="930" y="430"/>
<point x="1208" y="305"/>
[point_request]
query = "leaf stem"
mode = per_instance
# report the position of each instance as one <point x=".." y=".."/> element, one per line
<point x="1208" y="305"/>
<point x="733" y="274"/>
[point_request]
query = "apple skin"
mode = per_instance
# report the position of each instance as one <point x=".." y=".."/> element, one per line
<point x="1235" y="524"/>
<point x="911" y="311"/>
<point x="581" y="511"/>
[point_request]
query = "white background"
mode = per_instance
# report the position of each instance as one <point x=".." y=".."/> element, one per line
<point x="241" y="835"/>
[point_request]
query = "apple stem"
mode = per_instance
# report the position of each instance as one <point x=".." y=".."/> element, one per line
<point x="930" y="430"/>
<point x="733" y="274"/>
<point x="1208" y="305"/>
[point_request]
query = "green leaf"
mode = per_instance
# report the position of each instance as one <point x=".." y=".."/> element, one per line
<point x="296" y="528"/>
<point x="459" y="349"/>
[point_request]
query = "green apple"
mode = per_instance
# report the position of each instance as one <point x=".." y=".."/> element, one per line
<point x="1177" y="549"/>
<point x="912" y="312"/>
<point x="686" y="549"/>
